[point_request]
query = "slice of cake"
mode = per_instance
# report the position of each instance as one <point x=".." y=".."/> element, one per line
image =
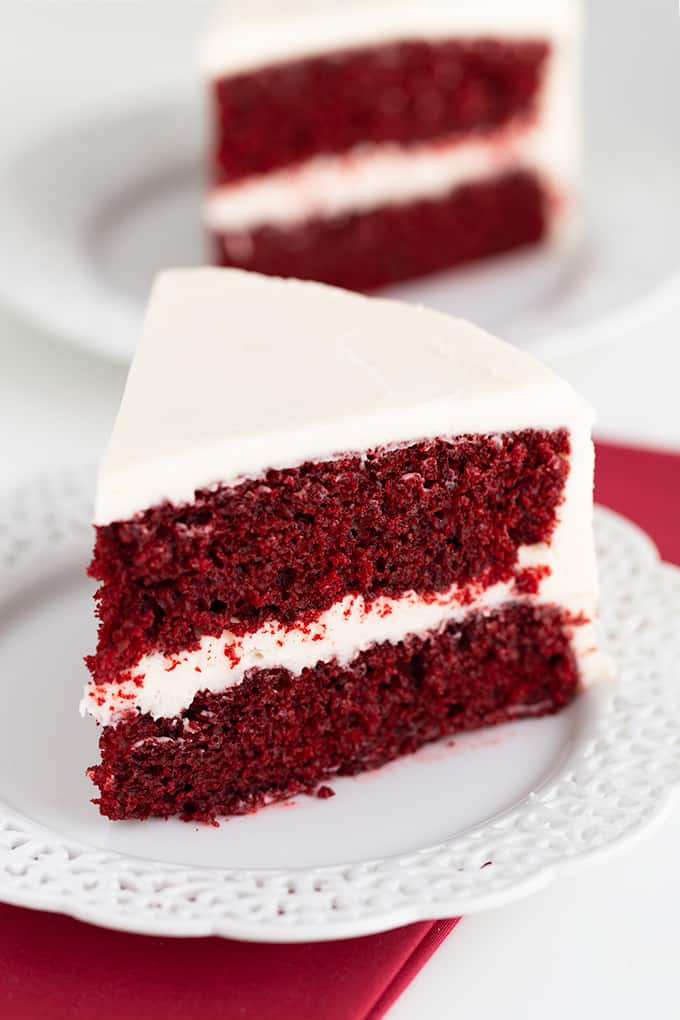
<point x="363" y="142"/>
<point x="329" y="529"/>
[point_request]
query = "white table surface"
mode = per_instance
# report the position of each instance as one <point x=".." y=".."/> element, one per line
<point x="601" y="943"/>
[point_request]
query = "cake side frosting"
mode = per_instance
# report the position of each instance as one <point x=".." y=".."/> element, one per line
<point x="283" y="372"/>
<point x="331" y="186"/>
<point x="253" y="34"/>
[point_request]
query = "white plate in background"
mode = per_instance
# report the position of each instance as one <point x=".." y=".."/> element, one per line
<point x="94" y="208"/>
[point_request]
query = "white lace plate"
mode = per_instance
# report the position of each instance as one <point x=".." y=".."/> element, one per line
<point x="460" y="827"/>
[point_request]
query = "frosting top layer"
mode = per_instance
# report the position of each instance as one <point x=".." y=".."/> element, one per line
<point x="235" y="373"/>
<point x="249" y="33"/>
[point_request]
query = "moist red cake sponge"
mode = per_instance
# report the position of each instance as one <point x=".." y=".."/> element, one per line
<point x="329" y="529"/>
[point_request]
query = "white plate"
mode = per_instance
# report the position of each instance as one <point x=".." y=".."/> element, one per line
<point x="530" y="800"/>
<point x="92" y="211"/>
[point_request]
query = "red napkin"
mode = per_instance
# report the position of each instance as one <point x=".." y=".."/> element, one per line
<point x="643" y="485"/>
<point x="54" y="968"/>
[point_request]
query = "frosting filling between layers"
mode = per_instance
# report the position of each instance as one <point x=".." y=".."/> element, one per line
<point x="165" y="685"/>
<point x="329" y="186"/>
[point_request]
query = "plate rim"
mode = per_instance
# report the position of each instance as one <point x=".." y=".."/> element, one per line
<point x="116" y="313"/>
<point x="62" y="498"/>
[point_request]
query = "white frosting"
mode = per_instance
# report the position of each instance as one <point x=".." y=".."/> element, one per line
<point x="164" y="686"/>
<point x="329" y="186"/>
<point x="235" y="373"/>
<point x="252" y="33"/>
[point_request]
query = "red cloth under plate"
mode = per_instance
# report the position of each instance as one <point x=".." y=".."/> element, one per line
<point x="54" y="968"/>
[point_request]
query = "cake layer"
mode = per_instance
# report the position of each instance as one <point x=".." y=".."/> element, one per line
<point x="274" y="735"/>
<point x="406" y="93"/>
<point x="282" y="372"/>
<point x="292" y="543"/>
<point x="379" y="246"/>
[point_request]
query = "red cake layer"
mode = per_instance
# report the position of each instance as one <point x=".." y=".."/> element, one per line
<point x="277" y="735"/>
<point x="405" y="92"/>
<point x="292" y="543"/>
<point x="371" y="249"/>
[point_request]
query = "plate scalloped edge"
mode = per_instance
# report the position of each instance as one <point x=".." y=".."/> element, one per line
<point x="617" y="779"/>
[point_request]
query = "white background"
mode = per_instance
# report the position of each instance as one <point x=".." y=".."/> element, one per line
<point x="605" y="942"/>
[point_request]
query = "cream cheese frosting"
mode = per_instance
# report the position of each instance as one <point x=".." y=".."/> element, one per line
<point x="252" y="33"/>
<point x="284" y="371"/>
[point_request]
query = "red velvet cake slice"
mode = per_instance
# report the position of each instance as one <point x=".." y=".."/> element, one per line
<point x="364" y="142"/>
<point x="329" y="529"/>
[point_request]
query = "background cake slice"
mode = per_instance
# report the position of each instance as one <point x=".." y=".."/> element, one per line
<point x="363" y="142"/>
<point x="330" y="528"/>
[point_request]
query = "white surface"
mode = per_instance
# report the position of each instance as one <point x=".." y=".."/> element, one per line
<point x="259" y="390"/>
<point x="89" y="214"/>
<point x="606" y="937"/>
<point x="252" y="32"/>
<point x="493" y="816"/>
